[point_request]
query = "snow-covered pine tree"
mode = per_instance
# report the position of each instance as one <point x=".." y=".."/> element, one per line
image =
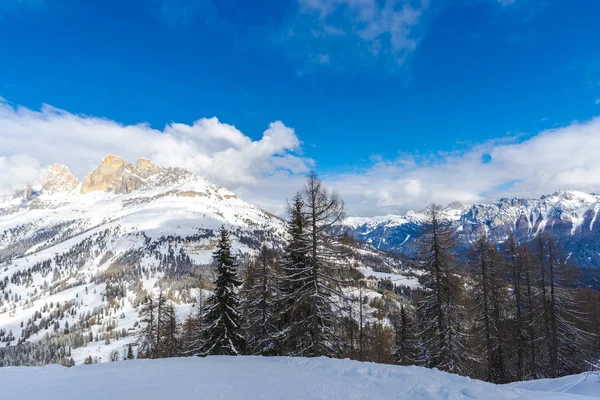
<point x="222" y="318"/>
<point x="294" y="275"/>
<point x="488" y="294"/>
<point x="311" y="272"/>
<point x="261" y="303"/>
<point x="440" y="312"/>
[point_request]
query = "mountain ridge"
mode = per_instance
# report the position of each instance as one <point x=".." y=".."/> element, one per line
<point x="572" y="216"/>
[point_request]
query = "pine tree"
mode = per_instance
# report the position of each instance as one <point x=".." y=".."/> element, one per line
<point x="312" y="264"/>
<point x="261" y="303"/>
<point x="294" y="275"/>
<point x="129" y="353"/>
<point x="223" y="320"/>
<point x="406" y="350"/>
<point x="440" y="311"/>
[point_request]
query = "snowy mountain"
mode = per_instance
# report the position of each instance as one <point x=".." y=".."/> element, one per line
<point x="80" y="256"/>
<point x="571" y="216"/>
<point x="254" y="378"/>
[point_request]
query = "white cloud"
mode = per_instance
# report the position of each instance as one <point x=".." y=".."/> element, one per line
<point x="564" y="158"/>
<point x="32" y="140"/>
<point x="365" y="28"/>
<point x="268" y="171"/>
<point x="597" y="101"/>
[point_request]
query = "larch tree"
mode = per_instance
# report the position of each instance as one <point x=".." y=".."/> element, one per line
<point x="148" y="335"/>
<point x="192" y="341"/>
<point x="170" y="344"/>
<point x="311" y="268"/>
<point x="510" y="250"/>
<point x="532" y="310"/>
<point x="440" y="311"/>
<point x="564" y="340"/>
<point x="487" y="291"/>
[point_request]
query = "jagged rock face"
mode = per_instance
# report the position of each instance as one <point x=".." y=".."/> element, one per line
<point x="118" y="176"/>
<point x="58" y="178"/>
<point x="112" y="175"/>
<point x="572" y="217"/>
<point x="145" y="168"/>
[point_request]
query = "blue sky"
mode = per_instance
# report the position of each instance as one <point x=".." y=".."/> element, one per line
<point x="365" y="84"/>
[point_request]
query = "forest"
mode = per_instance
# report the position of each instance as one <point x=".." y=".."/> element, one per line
<point x="502" y="312"/>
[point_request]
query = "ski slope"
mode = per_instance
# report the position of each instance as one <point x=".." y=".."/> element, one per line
<point x="253" y="378"/>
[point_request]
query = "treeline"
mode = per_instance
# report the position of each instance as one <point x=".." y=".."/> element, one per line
<point x="504" y="312"/>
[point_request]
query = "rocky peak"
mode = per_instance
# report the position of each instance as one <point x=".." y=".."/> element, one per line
<point x="118" y="176"/>
<point x="145" y="168"/>
<point x="112" y="175"/>
<point x="58" y="178"/>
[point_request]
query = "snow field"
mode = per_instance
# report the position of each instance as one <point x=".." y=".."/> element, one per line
<point x="254" y="378"/>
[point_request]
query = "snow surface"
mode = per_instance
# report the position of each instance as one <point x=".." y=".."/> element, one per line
<point x="253" y="378"/>
<point x="582" y="384"/>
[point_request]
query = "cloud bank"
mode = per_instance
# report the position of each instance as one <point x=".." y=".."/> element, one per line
<point x="563" y="158"/>
<point x="32" y="140"/>
<point x="268" y="171"/>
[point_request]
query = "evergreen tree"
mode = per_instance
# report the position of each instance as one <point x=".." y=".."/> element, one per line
<point x="129" y="353"/>
<point x="406" y="349"/>
<point x="222" y="318"/>
<point x="261" y="303"/>
<point x="440" y="311"/>
<point x="295" y="274"/>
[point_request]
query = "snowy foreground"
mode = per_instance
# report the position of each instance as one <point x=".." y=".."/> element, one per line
<point x="253" y="378"/>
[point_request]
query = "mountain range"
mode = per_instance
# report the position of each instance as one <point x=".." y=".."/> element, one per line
<point x="571" y="216"/>
<point x="93" y="249"/>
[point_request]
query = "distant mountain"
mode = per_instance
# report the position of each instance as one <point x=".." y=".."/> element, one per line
<point x="571" y="216"/>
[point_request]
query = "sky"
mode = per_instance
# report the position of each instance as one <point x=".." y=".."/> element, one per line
<point x="395" y="103"/>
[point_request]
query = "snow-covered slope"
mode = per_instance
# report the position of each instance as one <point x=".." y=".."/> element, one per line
<point x="570" y="215"/>
<point x="95" y="247"/>
<point x="253" y="378"/>
<point x="80" y="256"/>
